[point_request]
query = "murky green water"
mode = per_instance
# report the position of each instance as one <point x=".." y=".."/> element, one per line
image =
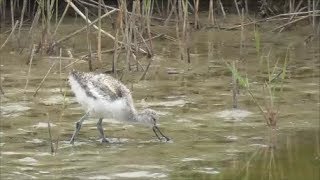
<point x="209" y="139"/>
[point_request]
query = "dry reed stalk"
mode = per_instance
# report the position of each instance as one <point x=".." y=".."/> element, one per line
<point x="246" y="6"/>
<point x="70" y="64"/>
<point x="115" y="54"/>
<point x="1" y="81"/>
<point x="1" y="89"/>
<point x="12" y="13"/>
<point x="242" y="38"/>
<point x="113" y="8"/>
<point x="50" y="138"/>
<point x="97" y="28"/>
<point x="136" y="26"/>
<point x="237" y="7"/>
<point x="196" y="14"/>
<point x="190" y="6"/>
<point x="211" y="16"/>
<point x="48" y="25"/>
<point x="81" y="29"/>
<point x="60" y="118"/>
<point x="186" y="31"/>
<point x="31" y="30"/>
<point x="42" y="81"/>
<point x="60" y="69"/>
<point x="180" y="11"/>
<point x="61" y="19"/>
<point x="146" y="70"/>
<point x="110" y="18"/>
<point x="271" y="18"/>
<point x="99" y="32"/>
<point x="235" y="87"/>
<point x="11" y="34"/>
<point x="222" y="8"/>
<point x="29" y="70"/>
<point x="127" y="34"/>
<point x="57" y="12"/>
<point x="17" y="4"/>
<point x="309" y="9"/>
<point x="314" y="15"/>
<point x="35" y="21"/>
<point x="296" y="10"/>
<point x="291" y="5"/>
<point x="145" y="43"/>
<point x="3" y="12"/>
<point x="179" y="39"/>
<point x="89" y="42"/>
<point x="289" y="23"/>
<point x="21" y="20"/>
<point x="148" y="23"/>
<point x="138" y="43"/>
<point x="136" y="10"/>
<point x="173" y="8"/>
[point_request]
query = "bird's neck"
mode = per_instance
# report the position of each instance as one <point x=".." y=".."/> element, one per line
<point x="139" y="118"/>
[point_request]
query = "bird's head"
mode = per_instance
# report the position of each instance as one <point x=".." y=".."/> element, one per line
<point x="148" y="117"/>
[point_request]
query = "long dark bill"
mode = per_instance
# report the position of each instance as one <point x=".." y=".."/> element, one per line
<point x="155" y="132"/>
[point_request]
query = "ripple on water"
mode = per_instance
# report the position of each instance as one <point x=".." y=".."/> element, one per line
<point x="176" y="103"/>
<point x="191" y="159"/>
<point x="36" y="141"/>
<point x="100" y="177"/>
<point x="138" y="166"/>
<point x="140" y="174"/>
<point x="232" y="138"/>
<point x="233" y="114"/>
<point x="43" y="125"/>
<point x="13" y="109"/>
<point x="29" y="161"/>
<point x="55" y="100"/>
<point x="208" y="170"/>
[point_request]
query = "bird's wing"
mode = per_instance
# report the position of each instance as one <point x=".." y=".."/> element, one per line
<point x="84" y="81"/>
<point x="105" y="87"/>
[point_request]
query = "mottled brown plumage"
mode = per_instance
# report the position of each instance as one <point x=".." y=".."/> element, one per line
<point x="103" y="96"/>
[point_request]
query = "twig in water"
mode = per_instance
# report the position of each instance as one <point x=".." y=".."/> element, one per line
<point x="44" y="78"/>
<point x="63" y="14"/>
<point x="222" y="8"/>
<point x="146" y="70"/>
<point x="82" y="29"/>
<point x="50" y="137"/>
<point x="96" y="27"/>
<point x="99" y="31"/>
<point x="60" y="118"/>
<point x="1" y="80"/>
<point x="5" y="42"/>
<point x="291" y="22"/>
<point x="89" y="42"/>
<point x="60" y="69"/>
<point x="30" y="64"/>
<point x="211" y="16"/>
<point x="21" y="19"/>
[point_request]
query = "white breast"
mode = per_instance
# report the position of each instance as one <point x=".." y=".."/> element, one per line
<point x="99" y="107"/>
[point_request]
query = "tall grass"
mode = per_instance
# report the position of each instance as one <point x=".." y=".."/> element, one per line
<point x="271" y="92"/>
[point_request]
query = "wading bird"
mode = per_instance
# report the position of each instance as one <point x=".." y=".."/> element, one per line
<point x="102" y="96"/>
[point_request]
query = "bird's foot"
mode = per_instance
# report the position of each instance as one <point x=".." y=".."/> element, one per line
<point x="104" y="140"/>
<point x="72" y="141"/>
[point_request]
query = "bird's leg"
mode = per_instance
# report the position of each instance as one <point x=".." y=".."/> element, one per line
<point x="78" y="127"/>
<point x="155" y="132"/>
<point x="100" y="129"/>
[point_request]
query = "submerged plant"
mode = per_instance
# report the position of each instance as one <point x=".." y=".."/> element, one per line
<point x="270" y="110"/>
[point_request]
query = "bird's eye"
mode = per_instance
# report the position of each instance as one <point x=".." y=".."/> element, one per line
<point x="154" y="120"/>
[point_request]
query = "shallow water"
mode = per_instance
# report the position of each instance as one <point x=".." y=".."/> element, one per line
<point x="210" y="140"/>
